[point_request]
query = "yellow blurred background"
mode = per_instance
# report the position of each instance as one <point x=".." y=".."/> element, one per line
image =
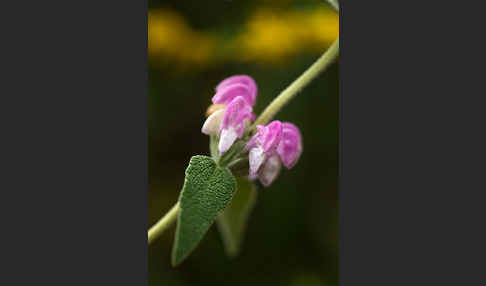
<point x="266" y="36"/>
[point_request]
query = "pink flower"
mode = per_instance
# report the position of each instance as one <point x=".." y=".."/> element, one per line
<point x="231" y="114"/>
<point x="234" y="122"/>
<point x="290" y="147"/>
<point x="237" y="85"/>
<point x="237" y="94"/>
<point x="272" y="144"/>
<point x="263" y="145"/>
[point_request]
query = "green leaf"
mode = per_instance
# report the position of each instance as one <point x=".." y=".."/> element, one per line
<point x="207" y="190"/>
<point x="232" y="221"/>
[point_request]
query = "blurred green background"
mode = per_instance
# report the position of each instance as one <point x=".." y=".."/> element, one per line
<point x="292" y="235"/>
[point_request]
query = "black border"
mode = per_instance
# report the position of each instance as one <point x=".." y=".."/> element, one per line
<point x="75" y="149"/>
<point x="410" y="153"/>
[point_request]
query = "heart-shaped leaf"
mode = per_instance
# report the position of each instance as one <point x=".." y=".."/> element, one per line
<point x="207" y="190"/>
<point x="232" y="221"/>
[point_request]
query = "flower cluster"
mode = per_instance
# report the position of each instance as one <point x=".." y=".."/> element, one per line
<point x="234" y="98"/>
<point x="232" y="113"/>
<point x="275" y="143"/>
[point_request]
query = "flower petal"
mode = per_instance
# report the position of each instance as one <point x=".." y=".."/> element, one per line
<point x="213" y="108"/>
<point x="237" y="115"/>
<point x="256" y="159"/>
<point x="213" y="123"/>
<point x="263" y="145"/>
<point x="241" y="79"/>
<point x="271" y="136"/>
<point x="255" y="140"/>
<point x="227" y="138"/>
<point x="290" y="147"/>
<point x="228" y="93"/>
<point x="270" y="170"/>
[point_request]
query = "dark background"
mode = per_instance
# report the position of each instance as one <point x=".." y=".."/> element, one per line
<point x="292" y="236"/>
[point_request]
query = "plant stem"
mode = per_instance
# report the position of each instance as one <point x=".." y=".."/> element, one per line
<point x="302" y="81"/>
<point x="236" y="162"/>
<point x="156" y="230"/>
<point x="334" y="4"/>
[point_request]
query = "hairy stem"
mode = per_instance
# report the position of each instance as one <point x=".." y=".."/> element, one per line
<point x="156" y="230"/>
<point x="302" y="81"/>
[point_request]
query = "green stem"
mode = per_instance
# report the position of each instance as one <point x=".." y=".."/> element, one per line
<point x="334" y="4"/>
<point x="156" y="230"/>
<point x="236" y="162"/>
<point x="302" y="81"/>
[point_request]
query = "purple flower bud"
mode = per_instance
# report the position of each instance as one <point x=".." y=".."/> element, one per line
<point x="290" y="147"/>
<point x="263" y="145"/>
<point x="225" y="94"/>
<point x="235" y="118"/>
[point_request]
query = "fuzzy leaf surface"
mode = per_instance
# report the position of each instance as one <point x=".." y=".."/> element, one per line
<point x="207" y="191"/>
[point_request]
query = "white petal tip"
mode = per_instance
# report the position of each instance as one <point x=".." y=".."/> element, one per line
<point x="213" y="122"/>
<point x="269" y="171"/>
<point x="256" y="158"/>
<point x="228" y="137"/>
